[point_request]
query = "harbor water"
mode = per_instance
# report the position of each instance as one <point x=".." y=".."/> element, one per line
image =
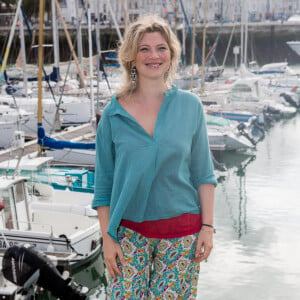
<point x="257" y="216"/>
<point x="256" y="253"/>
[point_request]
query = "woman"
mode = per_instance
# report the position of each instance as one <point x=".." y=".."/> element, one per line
<point x="154" y="180"/>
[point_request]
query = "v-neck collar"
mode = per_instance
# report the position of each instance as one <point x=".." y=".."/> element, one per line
<point x="117" y="109"/>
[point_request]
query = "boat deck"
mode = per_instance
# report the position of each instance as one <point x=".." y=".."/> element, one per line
<point x="71" y="133"/>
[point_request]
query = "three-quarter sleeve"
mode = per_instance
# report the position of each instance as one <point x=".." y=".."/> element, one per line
<point x="104" y="162"/>
<point x="202" y="170"/>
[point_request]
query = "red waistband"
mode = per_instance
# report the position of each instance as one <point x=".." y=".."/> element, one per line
<point x="180" y="226"/>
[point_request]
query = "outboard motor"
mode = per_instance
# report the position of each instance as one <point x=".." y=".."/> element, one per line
<point x="256" y="127"/>
<point x="241" y="128"/>
<point x="289" y="99"/>
<point x="271" y="113"/>
<point x="25" y="265"/>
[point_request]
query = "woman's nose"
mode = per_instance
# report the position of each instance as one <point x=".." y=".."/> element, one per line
<point x="154" y="54"/>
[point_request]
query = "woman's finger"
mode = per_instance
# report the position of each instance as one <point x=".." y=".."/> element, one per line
<point x="115" y="267"/>
<point x="202" y="250"/>
<point x="206" y="252"/>
<point x="110" y="270"/>
<point x="198" y="251"/>
<point x="121" y="257"/>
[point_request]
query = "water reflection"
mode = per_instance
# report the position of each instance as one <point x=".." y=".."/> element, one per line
<point x="91" y="276"/>
<point x="236" y="164"/>
<point x="257" y="213"/>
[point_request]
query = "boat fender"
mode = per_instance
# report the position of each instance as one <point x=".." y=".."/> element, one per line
<point x="10" y="90"/>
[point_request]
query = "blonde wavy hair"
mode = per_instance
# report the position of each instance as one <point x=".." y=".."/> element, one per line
<point x="129" y="48"/>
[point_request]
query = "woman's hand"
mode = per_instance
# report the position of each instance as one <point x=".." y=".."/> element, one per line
<point x="112" y="251"/>
<point x="204" y="245"/>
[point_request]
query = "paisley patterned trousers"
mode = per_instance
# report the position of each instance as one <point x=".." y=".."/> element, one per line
<point x="155" y="268"/>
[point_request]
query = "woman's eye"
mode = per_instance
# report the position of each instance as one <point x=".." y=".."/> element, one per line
<point x="143" y="49"/>
<point x="162" y="48"/>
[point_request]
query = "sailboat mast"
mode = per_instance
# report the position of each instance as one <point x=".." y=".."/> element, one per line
<point x="92" y="110"/>
<point x="23" y="53"/>
<point x="55" y="36"/>
<point x="203" y="48"/>
<point x="124" y="4"/>
<point x="55" y="41"/>
<point x="228" y="46"/>
<point x="79" y="35"/>
<point x="242" y="31"/>
<point x="183" y="43"/>
<point x="98" y="52"/>
<point x="190" y="30"/>
<point x="193" y="44"/>
<point x="175" y="16"/>
<point x="40" y="71"/>
<point x="10" y="38"/>
<point x="115" y="21"/>
<point x="246" y="32"/>
<point x="40" y="61"/>
<point x="71" y="47"/>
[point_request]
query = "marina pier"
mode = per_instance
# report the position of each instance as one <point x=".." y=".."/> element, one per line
<point x="267" y="40"/>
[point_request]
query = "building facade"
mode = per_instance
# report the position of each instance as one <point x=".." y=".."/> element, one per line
<point x="217" y="10"/>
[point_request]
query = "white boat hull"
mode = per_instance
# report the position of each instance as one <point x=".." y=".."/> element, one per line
<point x="295" y="46"/>
<point x="66" y="242"/>
<point x="73" y="111"/>
<point x="7" y="130"/>
<point x="73" y="156"/>
<point x="226" y="140"/>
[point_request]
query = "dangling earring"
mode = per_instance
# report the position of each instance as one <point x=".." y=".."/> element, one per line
<point x="133" y="74"/>
<point x="167" y="74"/>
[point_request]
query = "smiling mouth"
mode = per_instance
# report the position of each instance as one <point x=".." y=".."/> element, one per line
<point x="154" y="65"/>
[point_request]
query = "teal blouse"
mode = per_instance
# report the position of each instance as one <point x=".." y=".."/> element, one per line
<point x="144" y="178"/>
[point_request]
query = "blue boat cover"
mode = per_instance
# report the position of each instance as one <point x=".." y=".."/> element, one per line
<point x="45" y="141"/>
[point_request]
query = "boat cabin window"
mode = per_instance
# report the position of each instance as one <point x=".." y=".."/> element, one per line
<point x="8" y="213"/>
<point x="15" y="213"/>
<point x="20" y="192"/>
<point x="22" y="216"/>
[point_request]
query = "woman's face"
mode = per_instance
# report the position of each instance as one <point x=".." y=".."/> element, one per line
<point x="153" y="57"/>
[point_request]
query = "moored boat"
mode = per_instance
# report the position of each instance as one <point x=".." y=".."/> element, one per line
<point x="70" y="244"/>
<point x="68" y="190"/>
<point x="224" y="134"/>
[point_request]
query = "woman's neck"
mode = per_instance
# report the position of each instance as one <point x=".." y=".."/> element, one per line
<point x="151" y="90"/>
